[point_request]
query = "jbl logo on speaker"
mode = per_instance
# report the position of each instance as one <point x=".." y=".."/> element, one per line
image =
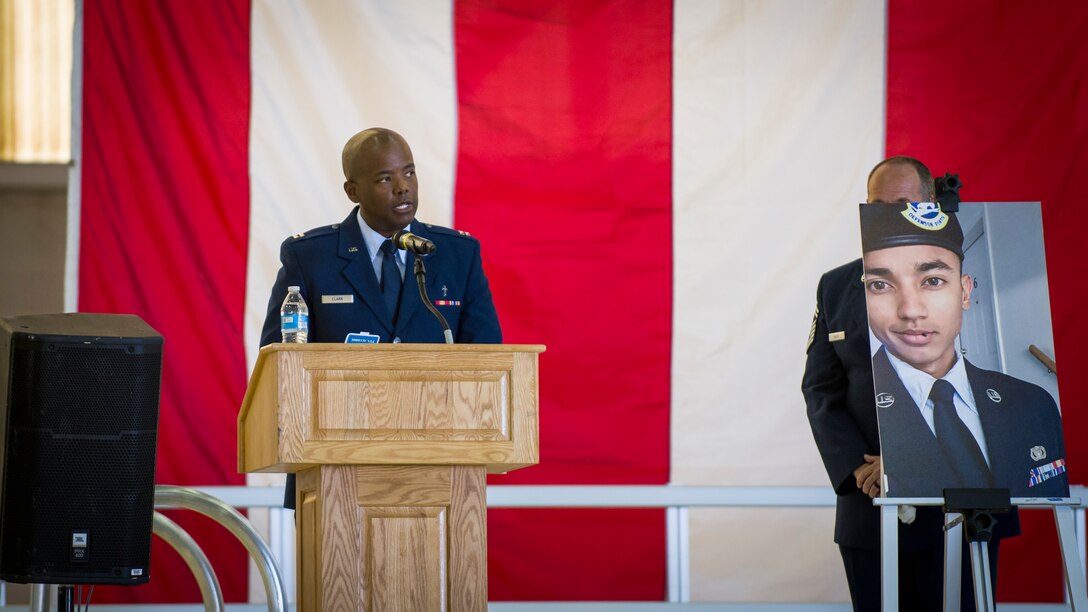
<point x="79" y="546"/>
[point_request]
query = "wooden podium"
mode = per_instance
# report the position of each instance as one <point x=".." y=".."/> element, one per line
<point x="391" y="444"/>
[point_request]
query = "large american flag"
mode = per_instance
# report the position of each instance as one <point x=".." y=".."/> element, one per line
<point x="657" y="186"/>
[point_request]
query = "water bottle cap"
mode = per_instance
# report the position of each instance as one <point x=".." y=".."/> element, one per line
<point x="293" y="288"/>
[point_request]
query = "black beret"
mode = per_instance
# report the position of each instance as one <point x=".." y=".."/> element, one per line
<point x="884" y="226"/>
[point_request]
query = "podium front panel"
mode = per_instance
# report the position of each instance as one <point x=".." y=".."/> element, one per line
<point x="325" y="404"/>
<point x="411" y="405"/>
<point x="422" y="532"/>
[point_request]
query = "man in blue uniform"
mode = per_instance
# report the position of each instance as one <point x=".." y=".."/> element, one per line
<point x="945" y="423"/>
<point x="353" y="279"/>
<point x="838" y="390"/>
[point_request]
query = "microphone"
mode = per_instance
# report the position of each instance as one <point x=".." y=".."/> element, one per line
<point x="420" y="271"/>
<point x="408" y="241"/>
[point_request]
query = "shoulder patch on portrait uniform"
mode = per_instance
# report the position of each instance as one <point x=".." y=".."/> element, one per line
<point x="812" y="330"/>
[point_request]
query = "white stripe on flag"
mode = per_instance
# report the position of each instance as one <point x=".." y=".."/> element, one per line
<point x="321" y="72"/>
<point x="778" y="118"/>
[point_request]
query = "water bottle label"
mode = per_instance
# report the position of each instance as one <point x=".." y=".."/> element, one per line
<point x="303" y="322"/>
<point x="290" y="323"/>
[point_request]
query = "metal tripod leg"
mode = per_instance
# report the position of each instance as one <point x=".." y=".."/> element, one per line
<point x="889" y="557"/>
<point x="1074" y="579"/>
<point x="953" y="553"/>
<point x="980" y="567"/>
<point x="980" y="574"/>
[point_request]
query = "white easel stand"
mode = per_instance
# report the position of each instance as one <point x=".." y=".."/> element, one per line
<point x="980" y="562"/>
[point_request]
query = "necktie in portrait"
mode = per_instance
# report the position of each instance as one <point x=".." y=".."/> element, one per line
<point x="955" y="439"/>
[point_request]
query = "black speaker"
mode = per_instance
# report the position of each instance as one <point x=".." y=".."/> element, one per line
<point x="79" y="421"/>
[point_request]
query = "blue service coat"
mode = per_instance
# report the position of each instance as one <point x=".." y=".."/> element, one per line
<point x="331" y="267"/>
<point x="1020" y="423"/>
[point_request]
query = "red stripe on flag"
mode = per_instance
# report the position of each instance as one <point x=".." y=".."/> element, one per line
<point x="564" y="173"/>
<point x="164" y="231"/>
<point x="998" y="96"/>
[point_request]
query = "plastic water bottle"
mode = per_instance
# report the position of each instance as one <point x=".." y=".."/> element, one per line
<point x="294" y="317"/>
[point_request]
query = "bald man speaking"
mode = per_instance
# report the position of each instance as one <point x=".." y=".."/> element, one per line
<point x="352" y="275"/>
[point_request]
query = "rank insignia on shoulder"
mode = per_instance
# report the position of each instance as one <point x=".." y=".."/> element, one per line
<point x="299" y="235"/>
<point x="464" y="233"/>
<point x="812" y="329"/>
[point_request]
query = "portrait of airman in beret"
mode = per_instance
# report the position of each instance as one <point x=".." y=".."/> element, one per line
<point x="945" y="423"/>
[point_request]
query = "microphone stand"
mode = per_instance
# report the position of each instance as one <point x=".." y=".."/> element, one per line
<point x="420" y="272"/>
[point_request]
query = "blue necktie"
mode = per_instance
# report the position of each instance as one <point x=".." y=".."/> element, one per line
<point x="955" y="440"/>
<point x="391" y="281"/>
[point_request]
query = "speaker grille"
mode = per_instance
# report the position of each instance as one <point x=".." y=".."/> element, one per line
<point x="111" y="501"/>
<point x="84" y="389"/>
<point x="80" y="456"/>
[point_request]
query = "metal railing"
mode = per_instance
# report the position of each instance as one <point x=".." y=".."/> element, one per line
<point x="677" y="500"/>
<point x="223" y="513"/>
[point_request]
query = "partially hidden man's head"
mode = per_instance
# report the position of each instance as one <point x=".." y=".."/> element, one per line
<point x="380" y="177"/>
<point x="915" y="289"/>
<point x="900" y="179"/>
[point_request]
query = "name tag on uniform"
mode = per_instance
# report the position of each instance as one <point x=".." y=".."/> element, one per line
<point x="361" y="338"/>
<point x="338" y="299"/>
<point x="836" y="336"/>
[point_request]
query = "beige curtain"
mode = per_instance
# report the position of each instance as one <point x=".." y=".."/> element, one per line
<point x="36" y="80"/>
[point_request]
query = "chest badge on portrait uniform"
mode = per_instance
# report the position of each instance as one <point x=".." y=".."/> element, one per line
<point x="1038" y="453"/>
<point x="885" y="400"/>
<point x="994" y="396"/>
